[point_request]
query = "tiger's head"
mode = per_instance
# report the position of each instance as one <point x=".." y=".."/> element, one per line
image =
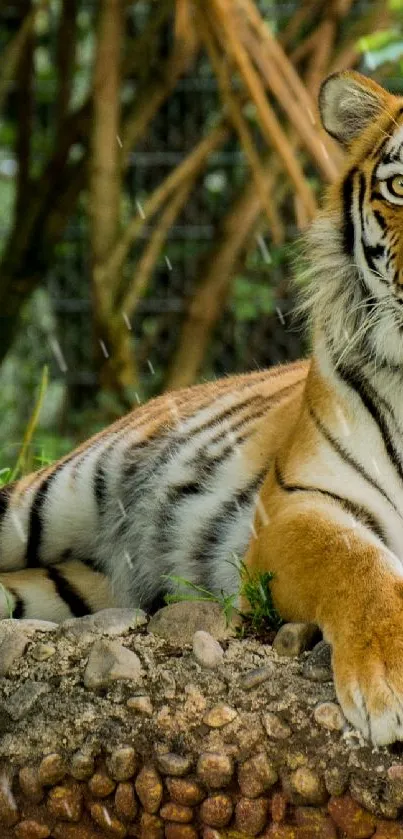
<point x="357" y="239"/>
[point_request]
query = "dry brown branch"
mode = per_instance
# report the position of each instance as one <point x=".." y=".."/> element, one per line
<point x="270" y="126"/>
<point x="185" y="32"/>
<point x="187" y="169"/>
<point x="104" y="187"/>
<point x="25" y="114"/>
<point x="234" y="108"/>
<point x="212" y="291"/>
<point x="15" y="49"/>
<point x="303" y="15"/>
<point x="153" y="97"/>
<point x="152" y="250"/>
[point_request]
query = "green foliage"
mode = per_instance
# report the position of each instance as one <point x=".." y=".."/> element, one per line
<point x="192" y="592"/>
<point x="255" y="587"/>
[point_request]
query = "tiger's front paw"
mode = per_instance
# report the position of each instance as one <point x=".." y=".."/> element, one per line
<point x="368" y="672"/>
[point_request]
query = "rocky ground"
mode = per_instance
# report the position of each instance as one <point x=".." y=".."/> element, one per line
<point x="178" y="727"/>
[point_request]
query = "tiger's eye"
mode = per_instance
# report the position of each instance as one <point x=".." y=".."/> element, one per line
<point x="396" y="185"/>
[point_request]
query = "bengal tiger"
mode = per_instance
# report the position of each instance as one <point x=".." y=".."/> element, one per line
<point x="297" y="470"/>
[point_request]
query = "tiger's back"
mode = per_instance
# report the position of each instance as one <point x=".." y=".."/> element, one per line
<point x="170" y="489"/>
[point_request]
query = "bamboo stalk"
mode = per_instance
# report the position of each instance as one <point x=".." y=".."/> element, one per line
<point x="190" y="166"/>
<point x="149" y="257"/>
<point x="235" y="113"/>
<point x="270" y="125"/>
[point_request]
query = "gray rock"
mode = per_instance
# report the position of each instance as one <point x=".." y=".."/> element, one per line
<point x="140" y="705"/>
<point x="219" y="715"/>
<point x="318" y="665"/>
<point x="293" y="638"/>
<point x="109" y="662"/>
<point x="106" y="622"/>
<point x="207" y="650"/>
<point x="21" y="702"/>
<point x="275" y="727"/>
<point x="12" y="648"/>
<point x="254" y="678"/>
<point x="42" y="652"/>
<point x="31" y="625"/>
<point x="173" y="764"/>
<point x="178" y="622"/>
<point x="329" y="715"/>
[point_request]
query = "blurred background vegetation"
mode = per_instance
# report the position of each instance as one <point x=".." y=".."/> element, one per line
<point x="158" y="159"/>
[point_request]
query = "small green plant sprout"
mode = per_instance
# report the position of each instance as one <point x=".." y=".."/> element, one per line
<point x="255" y="588"/>
<point x="186" y="590"/>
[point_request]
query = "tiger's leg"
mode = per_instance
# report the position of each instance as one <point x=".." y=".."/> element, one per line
<point x="55" y="593"/>
<point x="333" y="572"/>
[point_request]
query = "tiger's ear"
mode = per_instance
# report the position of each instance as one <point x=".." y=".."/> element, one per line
<point x="348" y="102"/>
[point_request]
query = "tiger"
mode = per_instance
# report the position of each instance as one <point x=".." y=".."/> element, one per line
<point x="296" y="470"/>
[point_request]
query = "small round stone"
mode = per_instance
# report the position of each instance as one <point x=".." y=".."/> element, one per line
<point x="52" y="769"/>
<point x="318" y="665"/>
<point x="31" y="829"/>
<point x="336" y="780"/>
<point x="122" y="763"/>
<point x="256" y="775"/>
<point x="206" y="650"/>
<point x="216" y="811"/>
<point x="140" y="705"/>
<point x="306" y="787"/>
<point x="174" y="812"/>
<point x="149" y="789"/>
<point x="256" y="677"/>
<point x="275" y="727"/>
<point x="107" y="821"/>
<point x="351" y="818"/>
<point x="251" y="815"/>
<point x="151" y="827"/>
<point x="278" y="806"/>
<point x="41" y="652"/>
<point x="173" y="764"/>
<point x="101" y="785"/>
<point x="30" y="785"/>
<point x="8" y="806"/>
<point x="65" y="802"/>
<point x="215" y="769"/>
<point x="180" y="831"/>
<point x="329" y="715"/>
<point x="125" y="801"/>
<point x="219" y="716"/>
<point x="109" y="662"/>
<point x="293" y="638"/>
<point x="82" y="766"/>
<point x="185" y="791"/>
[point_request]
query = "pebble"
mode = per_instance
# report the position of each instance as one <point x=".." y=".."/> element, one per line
<point x="278" y="806"/>
<point x="30" y="785"/>
<point x="215" y="769"/>
<point x="216" y="811"/>
<point x="336" y="780"/>
<point x="151" y="827"/>
<point x="140" y="705"/>
<point x="219" y="716"/>
<point x="107" y="821"/>
<point x="65" y="802"/>
<point x="122" y="764"/>
<point x="125" y="801"/>
<point x="206" y="650"/>
<point x="275" y="727"/>
<point x="178" y="622"/>
<point x="256" y="775"/>
<point x="174" y="812"/>
<point x="52" y="769"/>
<point x="21" y="702"/>
<point x="106" y="622"/>
<point x="185" y="791"/>
<point x="292" y="639"/>
<point x="180" y="831"/>
<point x="149" y="789"/>
<point x="251" y="815"/>
<point x="173" y="764"/>
<point x="12" y="648"/>
<point x="110" y="661"/>
<point x="314" y="823"/>
<point x="41" y="651"/>
<point x="306" y="787"/>
<point x="31" y="829"/>
<point x="329" y="715"/>
<point x="82" y="766"/>
<point x="31" y="625"/>
<point x="256" y="677"/>
<point x="351" y="818"/>
<point x="101" y="785"/>
<point x="318" y="665"/>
